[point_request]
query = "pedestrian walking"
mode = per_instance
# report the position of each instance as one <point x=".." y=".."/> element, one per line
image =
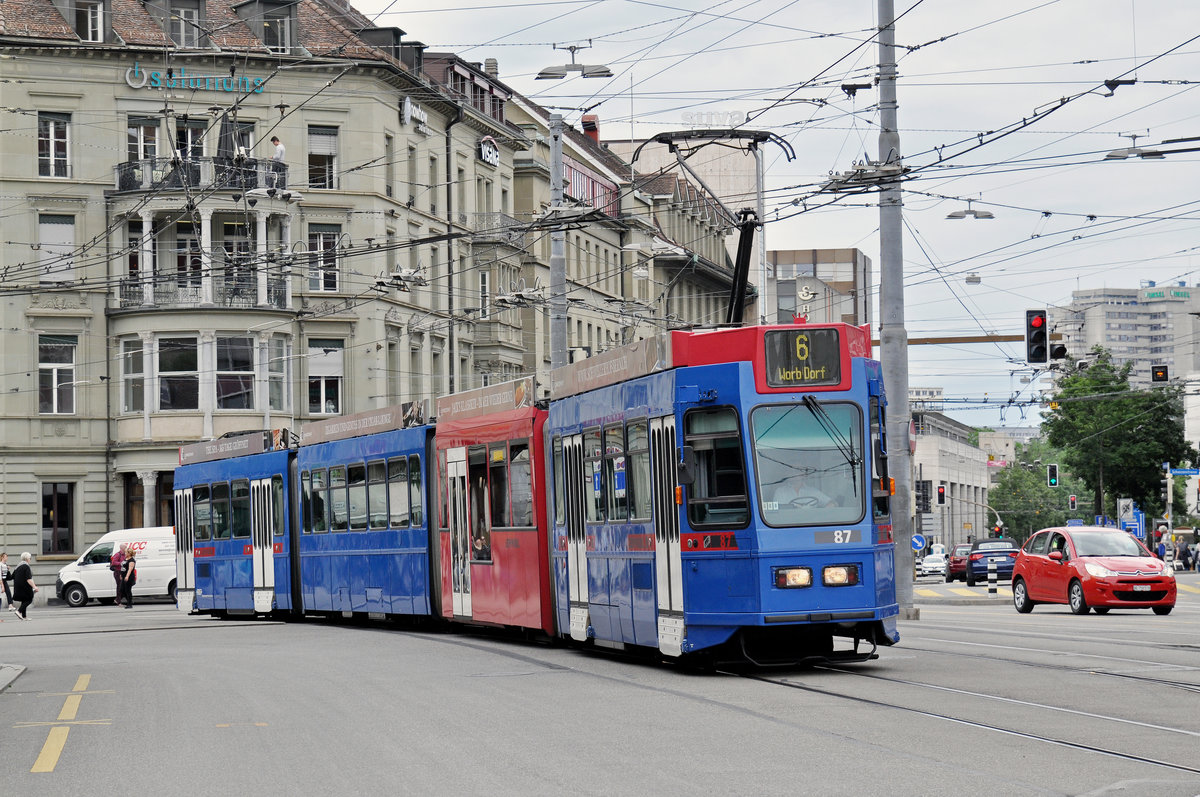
<point x="23" y="586"/>
<point x="5" y="577"/>
<point x="129" y="576"/>
<point x="114" y="564"/>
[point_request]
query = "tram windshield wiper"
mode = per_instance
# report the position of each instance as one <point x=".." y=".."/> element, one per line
<point x="840" y="440"/>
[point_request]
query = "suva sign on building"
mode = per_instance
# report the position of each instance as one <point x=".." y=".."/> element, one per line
<point x="138" y="78"/>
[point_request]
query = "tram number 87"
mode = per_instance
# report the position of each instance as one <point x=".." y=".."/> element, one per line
<point x="838" y="536"/>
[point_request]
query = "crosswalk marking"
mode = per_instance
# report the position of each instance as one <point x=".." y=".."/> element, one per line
<point x="1188" y="588"/>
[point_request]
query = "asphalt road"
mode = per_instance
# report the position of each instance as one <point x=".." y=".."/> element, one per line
<point x="976" y="699"/>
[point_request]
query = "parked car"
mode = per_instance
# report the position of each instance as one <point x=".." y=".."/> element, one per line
<point x="1000" y="550"/>
<point x="1090" y="567"/>
<point x="933" y="565"/>
<point x="956" y="564"/>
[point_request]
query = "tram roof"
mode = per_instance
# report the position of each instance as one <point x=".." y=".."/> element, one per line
<point x="679" y="348"/>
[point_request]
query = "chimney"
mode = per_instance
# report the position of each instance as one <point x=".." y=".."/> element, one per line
<point x="591" y="126"/>
<point x="491" y="67"/>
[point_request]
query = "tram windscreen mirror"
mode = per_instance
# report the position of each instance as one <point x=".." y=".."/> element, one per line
<point x="685" y="472"/>
<point x="802" y="357"/>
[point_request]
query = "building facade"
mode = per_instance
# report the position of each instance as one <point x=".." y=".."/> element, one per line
<point x="1146" y="326"/>
<point x="171" y="274"/>
<point x="945" y="456"/>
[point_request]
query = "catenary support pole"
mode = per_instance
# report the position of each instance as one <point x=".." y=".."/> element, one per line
<point x="558" y="251"/>
<point x="893" y="337"/>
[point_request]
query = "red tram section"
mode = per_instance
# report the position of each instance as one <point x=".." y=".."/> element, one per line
<point x="491" y="496"/>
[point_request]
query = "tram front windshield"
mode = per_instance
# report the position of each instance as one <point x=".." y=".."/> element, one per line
<point x="809" y="463"/>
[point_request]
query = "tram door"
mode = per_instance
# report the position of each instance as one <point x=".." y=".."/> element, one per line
<point x="667" y="560"/>
<point x="578" y="490"/>
<point x="185" y="574"/>
<point x="263" y="520"/>
<point x="460" y="556"/>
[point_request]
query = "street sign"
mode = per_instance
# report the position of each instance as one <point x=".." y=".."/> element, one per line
<point x="1075" y="522"/>
<point x="918" y="542"/>
<point x="1185" y="471"/>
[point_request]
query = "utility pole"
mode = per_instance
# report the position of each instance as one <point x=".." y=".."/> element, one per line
<point x="558" y="250"/>
<point x="893" y="336"/>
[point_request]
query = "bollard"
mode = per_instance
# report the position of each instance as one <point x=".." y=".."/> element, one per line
<point x="991" y="576"/>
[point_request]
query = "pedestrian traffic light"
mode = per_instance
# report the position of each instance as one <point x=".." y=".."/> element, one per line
<point x="1052" y="475"/>
<point x="1037" y="337"/>
<point x="941" y="495"/>
<point x="1166" y="492"/>
<point x="1158" y="373"/>
<point x="1072" y="503"/>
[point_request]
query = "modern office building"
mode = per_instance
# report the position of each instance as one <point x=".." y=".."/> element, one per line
<point x="1146" y="326"/>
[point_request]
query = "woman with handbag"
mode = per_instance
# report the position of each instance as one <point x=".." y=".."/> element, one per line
<point x="128" y="576"/>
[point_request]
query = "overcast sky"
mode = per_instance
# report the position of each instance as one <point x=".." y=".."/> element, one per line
<point x="1065" y="218"/>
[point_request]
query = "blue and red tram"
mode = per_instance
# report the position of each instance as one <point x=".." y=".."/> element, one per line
<point x="725" y="488"/>
<point x="721" y="491"/>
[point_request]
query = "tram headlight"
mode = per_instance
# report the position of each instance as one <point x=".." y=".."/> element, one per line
<point x="840" y="575"/>
<point x="793" y="577"/>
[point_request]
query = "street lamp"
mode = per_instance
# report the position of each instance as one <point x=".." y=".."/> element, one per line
<point x="976" y="214"/>
<point x="1133" y="151"/>
<point x="558" y="234"/>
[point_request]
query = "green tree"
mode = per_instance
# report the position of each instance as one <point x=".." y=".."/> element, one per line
<point x="1024" y="499"/>
<point x="1115" y="438"/>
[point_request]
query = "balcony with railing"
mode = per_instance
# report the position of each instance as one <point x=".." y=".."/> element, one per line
<point x="235" y="284"/>
<point x="498" y="228"/>
<point x="200" y="173"/>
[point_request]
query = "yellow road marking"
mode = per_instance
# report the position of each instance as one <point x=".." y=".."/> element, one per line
<point x="81" y="684"/>
<point x="51" y="750"/>
<point x="1187" y="588"/>
<point x="241" y="725"/>
<point x="70" y="707"/>
<point x="928" y="593"/>
<point x="32" y="724"/>
<point x="969" y="593"/>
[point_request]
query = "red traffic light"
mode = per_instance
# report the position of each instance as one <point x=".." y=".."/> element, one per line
<point x="1038" y="320"/>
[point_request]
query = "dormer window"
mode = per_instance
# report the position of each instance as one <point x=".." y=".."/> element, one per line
<point x="277" y="30"/>
<point x="89" y="20"/>
<point x="185" y="23"/>
<point x="274" y="22"/>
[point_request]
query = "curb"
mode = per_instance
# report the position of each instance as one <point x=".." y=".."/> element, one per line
<point x="8" y="674"/>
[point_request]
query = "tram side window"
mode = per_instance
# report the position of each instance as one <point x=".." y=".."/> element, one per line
<point x="320" y="502"/>
<point x="498" y="478"/>
<point x="202" y="512"/>
<point x="614" y="473"/>
<point x="520" y="474"/>
<point x="560" y="486"/>
<point x="220" y="510"/>
<point x="880" y="497"/>
<point x="240" y="514"/>
<point x="357" y="494"/>
<point x="443" y="515"/>
<point x="377" y="509"/>
<point x="339" y="519"/>
<point x="593" y="490"/>
<point x="306" y="502"/>
<point x="718" y="494"/>
<point x="414" y="490"/>
<point x="398" y="493"/>
<point x="277" y="504"/>
<point x="638" y="470"/>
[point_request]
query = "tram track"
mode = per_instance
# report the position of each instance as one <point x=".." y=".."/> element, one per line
<point x="982" y="725"/>
<point x="1188" y="687"/>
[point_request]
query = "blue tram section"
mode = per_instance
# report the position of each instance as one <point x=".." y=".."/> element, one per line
<point x="233" y="517"/>
<point x="681" y="515"/>
<point x="363" y="544"/>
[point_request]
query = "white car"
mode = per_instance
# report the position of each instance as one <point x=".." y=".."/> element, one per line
<point x="933" y="565"/>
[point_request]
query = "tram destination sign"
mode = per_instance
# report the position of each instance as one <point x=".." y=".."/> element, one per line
<point x="803" y="357"/>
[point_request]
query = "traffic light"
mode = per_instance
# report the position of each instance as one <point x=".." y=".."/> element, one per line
<point x="1052" y="475"/>
<point x="924" y="488"/>
<point x="1158" y="373"/>
<point x="1037" y="337"/>
<point x="1072" y="503"/>
<point x="941" y="495"/>
<point x="1166" y="492"/>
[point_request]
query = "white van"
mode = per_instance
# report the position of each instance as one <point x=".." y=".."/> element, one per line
<point x="89" y="577"/>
